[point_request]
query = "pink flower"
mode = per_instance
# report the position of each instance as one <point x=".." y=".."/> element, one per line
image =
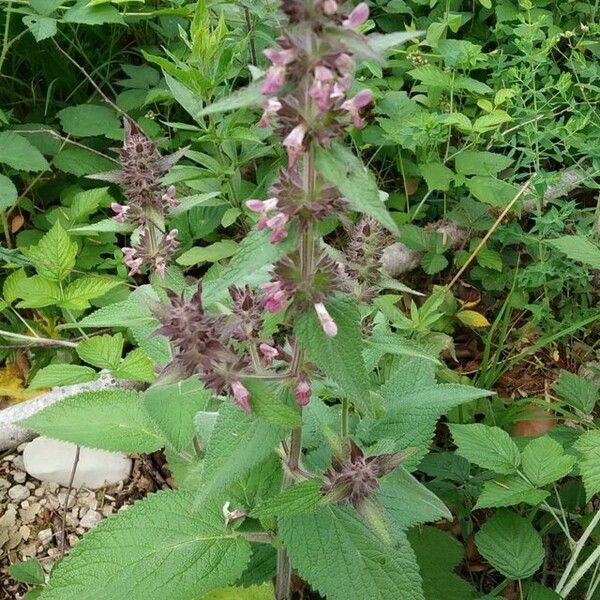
<point x="132" y="261"/>
<point x="302" y="391"/>
<point x="293" y="142"/>
<point x="344" y="63"/>
<point x="275" y="298"/>
<point x="280" y="58"/>
<point x="353" y="106"/>
<point x="330" y="7"/>
<point x="274" y="80"/>
<point x="169" y="197"/>
<point x="120" y="212"/>
<point x="268" y="352"/>
<point x="327" y="323"/>
<point x="278" y="227"/>
<point x="262" y="206"/>
<point x="241" y="396"/>
<point x="341" y="86"/>
<point x="357" y="17"/>
<point x="271" y="108"/>
<point x="321" y="88"/>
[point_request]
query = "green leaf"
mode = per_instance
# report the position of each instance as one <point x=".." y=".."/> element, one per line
<point x="54" y="255"/>
<point x="41" y="27"/>
<point x="431" y="75"/>
<point x="588" y="445"/>
<point x="577" y="391"/>
<point x="490" y="259"/>
<point x="102" y="351"/>
<point x="343" y="169"/>
<point x="86" y="202"/>
<point x="10" y="288"/>
<point x="128" y="313"/>
<point x="20" y="154"/>
<point x="492" y="191"/>
<point x="86" y="120"/>
<point x="339" y="357"/>
<point x="265" y="404"/>
<point x="93" y="15"/>
<point x="159" y="548"/>
<point x="208" y="199"/>
<point x="488" y="447"/>
<point x="172" y="409"/>
<point x="103" y="226"/>
<point x="477" y="162"/>
<point x="302" y="497"/>
<point x="37" y="292"/>
<point x="211" y="253"/>
<point x="28" y="571"/>
<point x="511" y="545"/>
<point x="433" y="263"/>
<point x="8" y="193"/>
<point x="536" y="591"/>
<point x="508" y="491"/>
<point x="78" y="293"/>
<point x="407" y="502"/>
<point x="381" y="43"/>
<point x="438" y="176"/>
<point x="247" y="97"/>
<point x="113" y="420"/>
<point x="190" y="101"/>
<point x="438" y="554"/>
<point x="544" y="461"/>
<point x="54" y="375"/>
<point x="136" y="366"/>
<point x="578" y="248"/>
<point x="238" y="442"/>
<point x="336" y="552"/>
<point x="256" y="592"/>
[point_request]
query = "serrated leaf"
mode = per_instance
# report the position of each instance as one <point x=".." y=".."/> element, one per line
<point x="78" y="293"/>
<point x="438" y="176"/>
<point x="113" y="420"/>
<point x="37" y="292"/>
<point x="265" y="404"/>
<point x="343" y="169"/>
<point x="159" y="548"/>
<point x="302" y="497"/>
<point x="578" y="248"/>
<point x="544" y="461"/>
<point x="54" y="255"/>
<point x="87" y="120"/>
<point x="136" y="366"/>
<point x="255" y="592"/>
<point x="93" y="15"/>
<point x="492" y="191"/>
<point x="128" y="313"/>
<point x="28" y="571"/>
<point x="54" y="375"/>
<point x="8" y="193"/>
<point x="238" y="442"/>
<point x="577" y="391"/>
<point x="432" y="75"/>
<point x="477" y="162"/>
<point x="508" y="491"/>
<point x="41" y="27"/>
<point x="190" y="101"/>
<point x="211" y="253"/>
<point x="339" y="357"/>
<point x="10" y="288"/>
<point x="102" y="351"/>
<point x="172" y="409"/>
<point x="244" y="98"/>
<point x="488" y="447"/>
<point x="588" y="445"/>
<point x="433" y="263"/>
<point x="511" y="545"/>
<point x="342" y="558"/>
<point x="19" y="153"/>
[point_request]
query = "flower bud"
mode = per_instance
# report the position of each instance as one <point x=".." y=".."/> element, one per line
<point x="241" y="396"/>
<point x="357" y="17"/>
<point x="120" y="212"/>
<point x="330" y="7"/>
<point x="327" y="323"/>
<point x="294" y="143"/>
<point x="268" y="352"/>
<point x="302" y="390"/>
<point x="275" y="297"/>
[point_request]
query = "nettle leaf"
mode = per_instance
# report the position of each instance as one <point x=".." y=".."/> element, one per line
<point x="37" y="292"/>
<point x="588" y="445"/>
<point x="102" y="351"/>
<point x="578" y="248"/>
<point x="159" y="548"/>
<point x="82" y="12"/>
<point x="492" y="191"/>
<point x="53" y="375"/>
<point x="300" y="498"/>
<point x="10" y="288"/>
<point x="136" y="366"/>
<point x="577" y="391"/>
<point x="41" y="27"/>
<point x="342" y="558"/>
<point x="511" y="545"/>
<point x="238" y="442"/>
<point x="266" y="405"/>
<point x="54" y="255"/>
<point x="172" y="409"/>
<point x="544" y="461"/>
<point x="340" y="167"/>
<point x="113" y="420"/>
<point x="87" y="120"/>
<point x="8" y="193"/>
<point x="339" y="357"/>
<point x="20" y="154"/>
<point x="407" y="502"/>
<point x="508" y="491"/>
<point x="212" y="253"/>
<point x="477" y="162"/>
<point x="438" y="554"/>
<point x="78" y="293"/>
<point x="488" y="447"/>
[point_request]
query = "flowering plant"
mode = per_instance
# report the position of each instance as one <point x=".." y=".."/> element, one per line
<point x="293" y="453"/>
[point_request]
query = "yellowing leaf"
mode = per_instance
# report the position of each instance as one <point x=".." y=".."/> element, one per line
<point x="11" y="385"/>
<point x="472" y="318"/>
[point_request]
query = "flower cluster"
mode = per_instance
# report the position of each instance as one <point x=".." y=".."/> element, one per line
<point x="147" y="201"/>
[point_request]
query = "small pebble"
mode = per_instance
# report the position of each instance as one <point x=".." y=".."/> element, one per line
<point x="90" y="519"/>
<point x="18" y="493"/>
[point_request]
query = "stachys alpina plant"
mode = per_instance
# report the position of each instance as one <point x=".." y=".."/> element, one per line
<point x="288" y="443"/>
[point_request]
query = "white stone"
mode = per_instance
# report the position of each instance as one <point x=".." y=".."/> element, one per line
<point x="52" y="461"/>
<point x="90" y="519"/>
<point x="18" y="493"/>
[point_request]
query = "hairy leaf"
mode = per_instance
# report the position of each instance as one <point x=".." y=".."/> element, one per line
<point x="102" y="351"/>
<point x="303" y="497"/>
<point x="508" y="491"/>
<point x="53" y="375"/>
<point x="54" y="255"/>
<point x="544" y="461"/>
